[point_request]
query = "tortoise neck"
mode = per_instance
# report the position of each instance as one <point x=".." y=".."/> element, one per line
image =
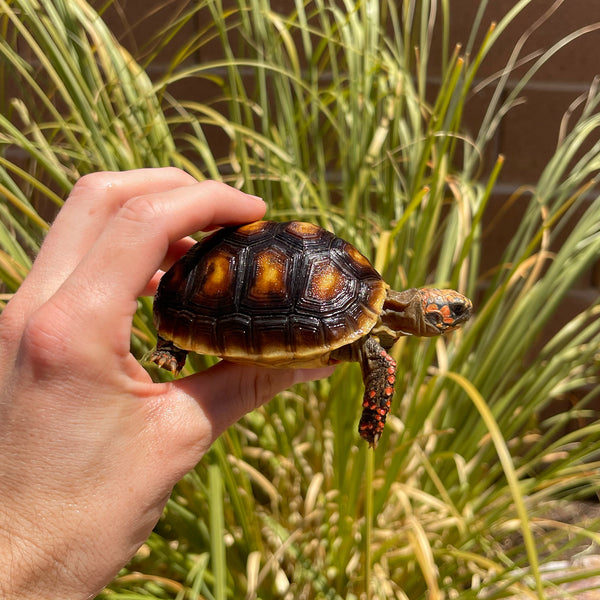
<point x="402" y="313"/>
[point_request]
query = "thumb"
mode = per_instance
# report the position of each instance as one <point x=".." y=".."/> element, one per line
<point x="221" y="395"/>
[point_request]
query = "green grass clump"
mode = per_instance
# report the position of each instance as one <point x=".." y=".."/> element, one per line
<point x="328" y="115"/>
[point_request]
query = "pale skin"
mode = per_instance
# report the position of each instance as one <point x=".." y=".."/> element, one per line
<point x="90" y="447"/>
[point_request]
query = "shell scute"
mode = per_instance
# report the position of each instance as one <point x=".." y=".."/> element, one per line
<point x="327" y="286"/>
<point x="270" y="279"/>
<point x="252" y="229"/>
<point x="211" y="282"/>
<point x="231" y="335"/>
<point x="360" y="263"/>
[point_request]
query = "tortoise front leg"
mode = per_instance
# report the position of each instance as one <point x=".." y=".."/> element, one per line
<point x="168" y="356"/>
<point x="379" y="375"/>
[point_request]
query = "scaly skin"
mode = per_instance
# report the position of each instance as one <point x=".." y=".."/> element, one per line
<point x="423" y="312"/>
<point x="379" y="376"/>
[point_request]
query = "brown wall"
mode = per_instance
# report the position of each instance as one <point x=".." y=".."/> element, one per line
<point x="529" y="132"/>
<point x="528" y="135"/>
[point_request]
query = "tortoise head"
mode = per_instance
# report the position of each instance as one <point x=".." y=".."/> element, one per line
<point x="425" y="311"/>
<point x="444" y="309"/>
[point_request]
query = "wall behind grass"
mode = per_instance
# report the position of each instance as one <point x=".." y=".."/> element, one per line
<point x="529" y="133"/>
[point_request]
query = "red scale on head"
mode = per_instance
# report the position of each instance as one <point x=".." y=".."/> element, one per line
<point x="447" y="314"/>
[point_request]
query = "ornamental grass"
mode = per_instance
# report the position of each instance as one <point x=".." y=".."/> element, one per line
<point x="326" y="112"/>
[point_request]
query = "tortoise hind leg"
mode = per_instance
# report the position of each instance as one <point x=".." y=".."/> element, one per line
<point x="379" y="375"/>
<point x="168" y="356"/>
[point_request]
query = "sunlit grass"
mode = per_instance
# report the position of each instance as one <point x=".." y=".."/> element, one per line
<point x="329" y="117"/>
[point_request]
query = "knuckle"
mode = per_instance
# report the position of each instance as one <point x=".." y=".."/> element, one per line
<point x="211" y="187"/>
<point x="91" y="189"/>
<point x="140" y="209"/>
<point x="176" y="173"/>
<point x="44" y="344"/>
<point x="101" y="180"/>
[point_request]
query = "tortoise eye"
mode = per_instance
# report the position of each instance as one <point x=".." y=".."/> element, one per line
<point x="458" y="308"/>
<point x="461" y="311"/>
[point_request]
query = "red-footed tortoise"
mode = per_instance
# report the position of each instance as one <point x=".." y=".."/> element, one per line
<point x="295" y="295"/>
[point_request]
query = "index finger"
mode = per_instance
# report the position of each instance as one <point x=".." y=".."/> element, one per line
<point x="132" y="246"/>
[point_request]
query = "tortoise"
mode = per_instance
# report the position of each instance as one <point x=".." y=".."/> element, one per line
<point x="291" y="294"/>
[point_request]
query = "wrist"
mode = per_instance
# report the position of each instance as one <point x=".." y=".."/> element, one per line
<point x="30" y="570"/>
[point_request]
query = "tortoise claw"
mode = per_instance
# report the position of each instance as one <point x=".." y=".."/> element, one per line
<point x="168" y="356"/>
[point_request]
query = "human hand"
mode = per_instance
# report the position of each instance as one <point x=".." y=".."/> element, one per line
<point x="90" y="447"/>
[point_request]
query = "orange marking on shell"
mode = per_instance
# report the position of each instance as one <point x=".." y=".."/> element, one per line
<point x="357" y="256"/>
<point x="255" y="227"/>
<point x="388" y="391"/>
<point x="327" y="282"/>
<point x="218" y="275"/>
<point x="302" y="229"/>
<point x="270" y="274"/>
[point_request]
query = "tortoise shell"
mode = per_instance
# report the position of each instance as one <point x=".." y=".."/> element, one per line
<point x="269" y="293"/>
